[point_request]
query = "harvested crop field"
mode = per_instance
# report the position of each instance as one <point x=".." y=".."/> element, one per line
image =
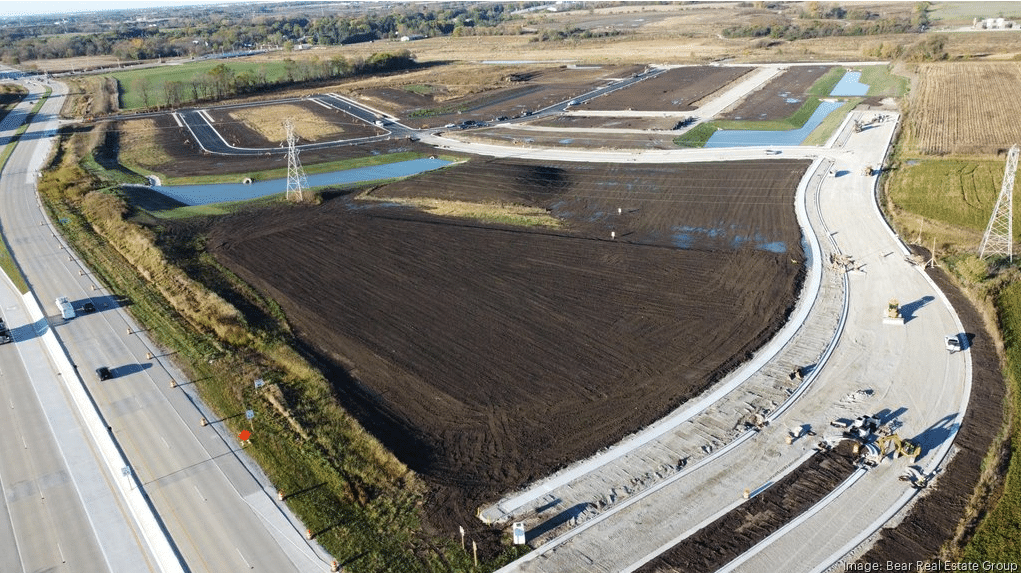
<point x="720" y="542"/>
<point x="962" y="107"/>
<point x="674" y="90"/>
<point x="779" y="98"/>
<point x="486" y="356"/>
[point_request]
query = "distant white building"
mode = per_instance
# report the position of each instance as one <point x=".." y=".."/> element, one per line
<point x="993" y="24"/>
<point x="412" y="37"/>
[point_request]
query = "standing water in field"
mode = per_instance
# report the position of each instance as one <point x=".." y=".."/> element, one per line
<point x="224" y="192"/>
<point x="850" y="85"/>
<point x="751" y="138"/>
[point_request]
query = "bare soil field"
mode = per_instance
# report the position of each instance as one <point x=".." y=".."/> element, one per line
<point x="486" y="356"/>
<point x="518" y="91"/>
<point x="779" y="98"/>
<point x="674" y="90"/>
<point x="961" y="107"/>
<point x="587" y="140"/>
<point x="262" y="125"/>
<point x="587" y="121"/>
<point x="718" y="543"/>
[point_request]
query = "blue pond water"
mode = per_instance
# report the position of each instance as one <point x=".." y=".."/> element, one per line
<point x="749" y="138"/>
<point x="850" y="85"/>
<point x="224" y="192"/>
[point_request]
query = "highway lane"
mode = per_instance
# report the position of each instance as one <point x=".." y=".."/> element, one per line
<point x="217" y="506"/>
<point x="58" y="499"/>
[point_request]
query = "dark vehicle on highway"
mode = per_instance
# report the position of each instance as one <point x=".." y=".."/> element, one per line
<point x="104" y="373"/>
<point x="88" y="307"/>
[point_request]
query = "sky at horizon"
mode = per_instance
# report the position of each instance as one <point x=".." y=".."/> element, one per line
<point x="15" y="9"/>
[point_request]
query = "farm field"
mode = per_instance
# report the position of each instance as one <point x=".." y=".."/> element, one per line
<point x="486" y="356"/>
<point x="964" y="108"/>
<point x="674" y="90"/>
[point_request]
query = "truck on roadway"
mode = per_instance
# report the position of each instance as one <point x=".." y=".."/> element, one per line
<point x="65" y="306"/>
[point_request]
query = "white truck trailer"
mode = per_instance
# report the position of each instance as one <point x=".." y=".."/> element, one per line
<point x="65" y="307"/>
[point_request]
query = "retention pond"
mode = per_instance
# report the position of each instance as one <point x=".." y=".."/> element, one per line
<point x="224" y="192"/>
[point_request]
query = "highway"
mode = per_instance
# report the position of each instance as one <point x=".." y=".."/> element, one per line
<point x="219" y="510"/>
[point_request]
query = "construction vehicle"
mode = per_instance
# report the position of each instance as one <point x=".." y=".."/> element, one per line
<point x="916" y="477"/>
<point x="876" y="452"/>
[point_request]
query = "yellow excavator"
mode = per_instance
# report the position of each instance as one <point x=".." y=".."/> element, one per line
<point x="876" y="452"/>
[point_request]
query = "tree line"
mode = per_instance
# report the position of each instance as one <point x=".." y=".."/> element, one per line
<point x="223" y="81"/>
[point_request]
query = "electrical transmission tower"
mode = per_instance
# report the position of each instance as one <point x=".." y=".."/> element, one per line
<point x="999" y="237"/>
<point x="296" y="181"/>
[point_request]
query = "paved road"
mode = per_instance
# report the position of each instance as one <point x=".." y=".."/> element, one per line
<point x="60" y="506"/>
<point x="219" y="509"/>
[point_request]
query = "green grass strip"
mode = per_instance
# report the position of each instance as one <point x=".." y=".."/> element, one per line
<point x="998" y="538"/>
<point x="696" y="136"/>
<point x="821" y="134"/>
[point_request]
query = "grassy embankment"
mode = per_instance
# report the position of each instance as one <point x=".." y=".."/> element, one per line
<point x="7" y="264"/>
<point x="879" y="78"/>
<point x="947" y="203"/>
<point x="998" y="537"/>
<point x="362" y="504"/>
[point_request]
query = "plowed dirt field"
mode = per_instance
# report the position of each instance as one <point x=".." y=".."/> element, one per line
<point x="486" y="356"/>
<point x="780" y="98"/>
<point x="674" y="90"/>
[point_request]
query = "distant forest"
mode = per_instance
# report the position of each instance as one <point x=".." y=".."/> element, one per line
<point x="196" y="31"/>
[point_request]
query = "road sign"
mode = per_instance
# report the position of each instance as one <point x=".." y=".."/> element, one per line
<point x="259" y="382"/>
<point x="249" y="414"/>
